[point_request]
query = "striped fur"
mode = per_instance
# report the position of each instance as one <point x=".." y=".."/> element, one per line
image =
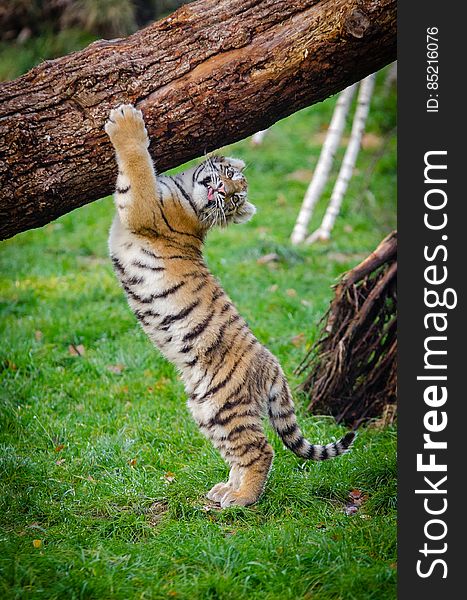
<point x="156" y="243"/>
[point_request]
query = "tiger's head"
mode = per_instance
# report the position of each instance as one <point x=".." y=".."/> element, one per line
<point x="220" y="192"/>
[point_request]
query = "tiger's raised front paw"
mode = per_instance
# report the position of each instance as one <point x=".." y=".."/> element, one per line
<point x="125" y="128"/>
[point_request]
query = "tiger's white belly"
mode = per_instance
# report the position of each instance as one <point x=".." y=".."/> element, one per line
<point x="131" y="251"/>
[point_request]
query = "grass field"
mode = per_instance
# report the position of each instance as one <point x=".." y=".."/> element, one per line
<point x="103" y="471"/>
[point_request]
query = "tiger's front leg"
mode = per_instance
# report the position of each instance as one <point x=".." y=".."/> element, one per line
<point x="137" y="191"/>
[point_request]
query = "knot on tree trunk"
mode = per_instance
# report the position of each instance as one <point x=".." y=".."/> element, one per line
<point x="357" y="23"/>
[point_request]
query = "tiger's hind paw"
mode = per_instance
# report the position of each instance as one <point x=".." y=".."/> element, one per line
<point x="218" y="491"/>
<point x="232" y="498"/>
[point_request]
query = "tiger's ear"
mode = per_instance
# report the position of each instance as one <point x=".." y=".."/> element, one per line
<point x="236" y="163"/>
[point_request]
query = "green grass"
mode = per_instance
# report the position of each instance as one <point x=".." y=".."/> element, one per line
<point x="18" y="57"/>
<point x="108" y="470"/>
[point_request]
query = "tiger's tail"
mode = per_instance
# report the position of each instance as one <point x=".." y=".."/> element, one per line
<point x="282" y="415"/>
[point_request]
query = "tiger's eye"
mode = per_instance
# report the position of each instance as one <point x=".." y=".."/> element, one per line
<point x="229" y="172"/>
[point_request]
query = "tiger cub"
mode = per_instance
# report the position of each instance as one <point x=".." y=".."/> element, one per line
<point x="156" y="242"/>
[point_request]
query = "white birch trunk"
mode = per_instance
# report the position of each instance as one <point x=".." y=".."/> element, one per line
<point x="391" y="77"/>
<point x="348" y="164"/>
<point x="323" y="167"/>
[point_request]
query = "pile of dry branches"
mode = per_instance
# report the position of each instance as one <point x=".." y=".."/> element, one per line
<point x="351" y="370"/>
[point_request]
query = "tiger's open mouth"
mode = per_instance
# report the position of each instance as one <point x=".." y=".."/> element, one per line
<point x="212" y="191"/>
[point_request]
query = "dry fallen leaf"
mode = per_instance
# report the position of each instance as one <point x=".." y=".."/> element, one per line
<point x="338" y="257"/>
<point x="156" y="511"/>
<point x="78" y="350"/>
<point x="355" y="494"/>
<point x="118" y="368"/>
<point x="357" y="498"/>
<point x="302" y="175"/>
<point x="281" y="200"/>
<point x="211" y="507"/>
<point x="273" y="288"/>
<point x="37" y="543"/>
<point x="230" y="532"/>
<point x="298" y="340"/>
<point x="320" y="137"/>
<point x="268" y="258"/>
<point x="132" y="462"/>
<point x="92" y="260"/>
<point x="161" y="383"/>
<point x="59" y="448"/>
<point x="341" y="258"/>
<point x="371" y="140"/>
<point x="291" y="292"/>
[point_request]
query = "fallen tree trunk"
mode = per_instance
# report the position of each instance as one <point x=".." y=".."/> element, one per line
<point x="352" y="370"/>
<point x="210" y="74"/>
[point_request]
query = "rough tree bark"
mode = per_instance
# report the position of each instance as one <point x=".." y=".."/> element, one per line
<point x="212" y="73"/>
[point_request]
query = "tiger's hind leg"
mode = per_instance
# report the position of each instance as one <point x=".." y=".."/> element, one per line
<point x="235" y="429"/>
